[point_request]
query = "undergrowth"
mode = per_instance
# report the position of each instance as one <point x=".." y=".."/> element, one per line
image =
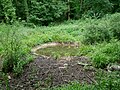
<point x="98" y="38"/>
<point x="105" y="54"/>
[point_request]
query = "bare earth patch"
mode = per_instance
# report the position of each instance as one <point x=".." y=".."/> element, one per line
<point x="44" y="73"/>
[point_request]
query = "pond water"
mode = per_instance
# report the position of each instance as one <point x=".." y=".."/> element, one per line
<point x="59" y="51"/>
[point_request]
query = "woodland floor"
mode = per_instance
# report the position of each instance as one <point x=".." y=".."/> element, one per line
<point x="47" y="72"/>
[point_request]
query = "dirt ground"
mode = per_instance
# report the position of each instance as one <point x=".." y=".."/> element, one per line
<point x="47" y="72"/>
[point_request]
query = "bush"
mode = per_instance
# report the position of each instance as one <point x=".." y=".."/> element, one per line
<point x="12" y="50"/>
<point x="96" y="33"/>
<point x="106" y="54"/>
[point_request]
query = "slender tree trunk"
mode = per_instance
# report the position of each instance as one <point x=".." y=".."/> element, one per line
<point x="81" y="3"/>
<point x="26" y="10"/>
<point x="68" y="15"/>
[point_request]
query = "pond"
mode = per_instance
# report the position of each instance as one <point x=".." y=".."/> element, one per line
<point x="59" y="51"/>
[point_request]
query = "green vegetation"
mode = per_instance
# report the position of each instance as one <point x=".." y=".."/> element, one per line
<point x="98" y="38"/>
<point x="94" y="24"/>
<point x="89" y="31"/>
<point x="115" y="26"/>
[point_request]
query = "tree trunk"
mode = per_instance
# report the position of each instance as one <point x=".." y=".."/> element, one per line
<point x="68" y="15"/>
<point x="26" y="10"/>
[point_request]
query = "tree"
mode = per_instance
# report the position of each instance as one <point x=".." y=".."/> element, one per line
<point x="116" y="5"/>
<point x="46" y="11"/>
<point x="8" y="11"/>
<point x="96" y="8"/>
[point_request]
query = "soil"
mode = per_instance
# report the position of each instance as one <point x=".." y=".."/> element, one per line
<point x="47" y="72"/>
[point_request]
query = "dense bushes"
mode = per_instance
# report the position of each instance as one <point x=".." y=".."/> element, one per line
<point x="11" y="49"/>
<point x="97" y="32"/>
<point x="116" y="30"/>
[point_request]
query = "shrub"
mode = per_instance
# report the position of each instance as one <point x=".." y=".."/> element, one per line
<point x="96" y="33"/>
<point x="12" y="50"/>
<point x="7" y="11"/>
